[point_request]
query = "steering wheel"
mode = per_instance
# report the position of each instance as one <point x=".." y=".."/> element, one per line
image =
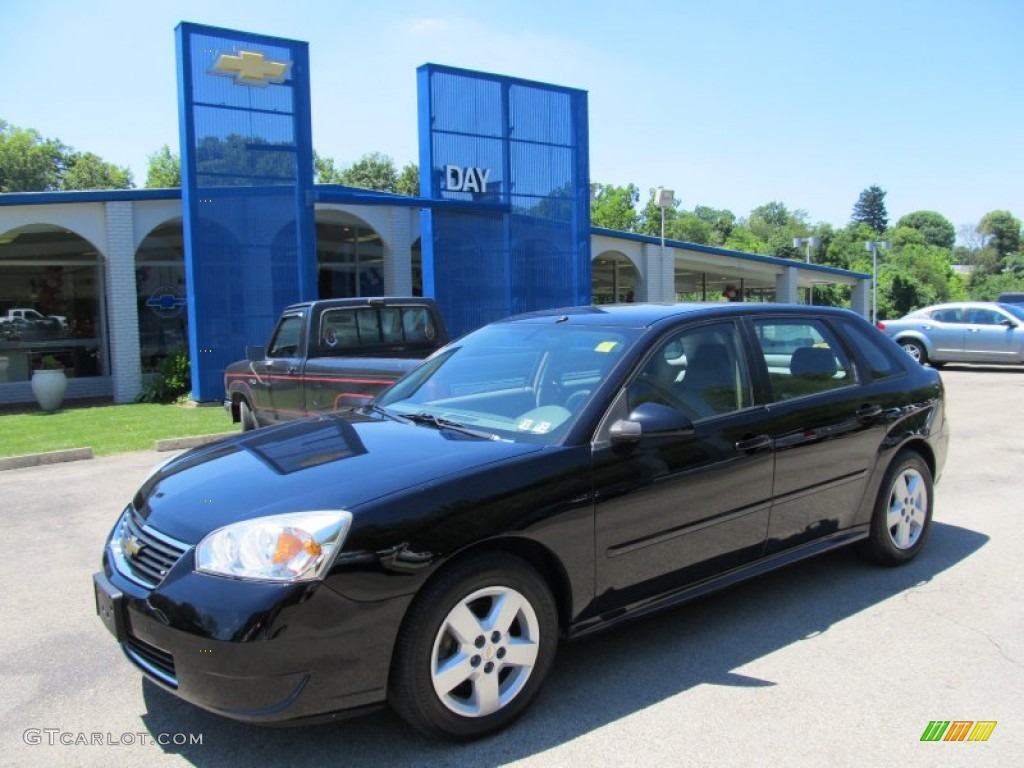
<point x="576" y="399"/>
<point x="549" y="392"/>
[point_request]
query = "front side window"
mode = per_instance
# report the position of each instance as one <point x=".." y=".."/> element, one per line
<point x="802" y="357"/>
<point x="979" y="316"/>
<point x="699" y="371"/>
<point x="286" y="339"/>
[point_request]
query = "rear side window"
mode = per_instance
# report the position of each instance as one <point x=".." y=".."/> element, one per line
<point x="345" y="329"/>
<point x="883" y="359"/>
<point x="802" y="357"/>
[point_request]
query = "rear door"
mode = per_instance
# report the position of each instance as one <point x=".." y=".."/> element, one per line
<point x="946" y="331"/>
<point x="826" y="428"/>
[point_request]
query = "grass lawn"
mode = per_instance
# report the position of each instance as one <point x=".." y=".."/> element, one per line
<point x="107" y="428"/>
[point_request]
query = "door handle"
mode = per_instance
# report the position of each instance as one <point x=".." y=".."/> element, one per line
<point x="753" y="443"/>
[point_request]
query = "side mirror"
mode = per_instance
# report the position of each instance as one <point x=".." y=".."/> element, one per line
<point x="1009" y="323"/>
<point x="255" y="354"/>
<point x="650" y="420"/>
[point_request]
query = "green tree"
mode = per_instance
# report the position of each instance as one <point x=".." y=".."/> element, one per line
<point x="649" y="221"/>
<point x="373" y="170"/>
<point x="614" y="207"/>
<point x="741" y="238"/>
<point x="324" y="171"/>
<point x="720" y="221"/>
<point x="86" y="170"/>
<point x="164" y="169"/>
<point x="690" y="229"/>
<point x="1001" y="230"/>
<point x="408" y="182"/>
<point x="776" y="226"/>
<point x="870" y="209"/>
<point x="28" y="162"/>
<point x="934" y="227"/>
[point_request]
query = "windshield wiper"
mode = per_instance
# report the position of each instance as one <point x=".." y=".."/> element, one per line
<point x="436" y="421"/>
<point x="386" y="413"/>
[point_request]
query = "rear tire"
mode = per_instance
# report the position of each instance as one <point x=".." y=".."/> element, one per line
<point x="474" y="648"/>
<point x="903" y="511"/>
<point x="915" y="349"/>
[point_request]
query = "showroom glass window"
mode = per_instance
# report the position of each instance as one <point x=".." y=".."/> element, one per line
<point x="161" y="295"/>
<point x="51" y="303"/>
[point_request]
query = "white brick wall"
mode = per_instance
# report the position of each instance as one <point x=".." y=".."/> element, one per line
<point x="122" y="314"/>
<point x="398" y="262"/>
<point x="786" y="286"/>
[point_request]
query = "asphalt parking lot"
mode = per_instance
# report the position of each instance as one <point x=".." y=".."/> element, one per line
<point x="831" y="661"/>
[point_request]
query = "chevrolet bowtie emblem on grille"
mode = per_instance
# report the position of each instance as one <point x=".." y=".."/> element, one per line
<point x="251" y="68"/>
<point x="131" y="546"/>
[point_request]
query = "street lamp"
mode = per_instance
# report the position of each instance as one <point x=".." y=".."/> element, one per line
<point x="663" y="198"/>
<point x="810" y="242"/>
<point x="873" y="246"/>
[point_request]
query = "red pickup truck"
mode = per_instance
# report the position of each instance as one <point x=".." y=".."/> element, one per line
<point x="330" y="354"/>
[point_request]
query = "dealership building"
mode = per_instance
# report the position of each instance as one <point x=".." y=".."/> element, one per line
<point x="110" y="282"/>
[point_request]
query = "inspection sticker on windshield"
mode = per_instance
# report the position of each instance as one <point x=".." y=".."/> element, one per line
<point x="606" y="346"/>
<point x="537" y="427"/>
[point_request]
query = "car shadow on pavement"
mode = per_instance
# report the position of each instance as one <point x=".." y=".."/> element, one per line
<point x="640" y="664"/>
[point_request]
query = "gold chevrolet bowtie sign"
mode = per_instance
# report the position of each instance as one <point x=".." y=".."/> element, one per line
<point x="251" y="68"/>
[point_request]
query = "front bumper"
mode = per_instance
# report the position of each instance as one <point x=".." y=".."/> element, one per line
<point x="252" y="651"/>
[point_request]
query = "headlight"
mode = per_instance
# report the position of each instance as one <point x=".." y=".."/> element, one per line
<point x="294" y="547"/>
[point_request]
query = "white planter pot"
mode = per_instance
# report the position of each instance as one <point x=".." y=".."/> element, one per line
<point x="49" y="388"/>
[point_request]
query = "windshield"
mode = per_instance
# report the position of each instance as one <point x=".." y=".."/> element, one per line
<point x="516" y="381"/>
<point x="1014" y="309"/>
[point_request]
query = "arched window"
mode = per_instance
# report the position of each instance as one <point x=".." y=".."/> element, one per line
<point x="613" y="279"/>
<point x="51" y="303"/>
<point x="350" y="257"/>
<point x="161" y="294"/>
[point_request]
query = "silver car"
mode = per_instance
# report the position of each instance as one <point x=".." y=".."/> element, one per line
<point x="961" y="332"/>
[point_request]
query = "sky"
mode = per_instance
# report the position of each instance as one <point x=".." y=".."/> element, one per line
<point x="732" y="103"/>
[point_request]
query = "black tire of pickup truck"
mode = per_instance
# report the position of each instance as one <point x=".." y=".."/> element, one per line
<point x="245" y="416"/>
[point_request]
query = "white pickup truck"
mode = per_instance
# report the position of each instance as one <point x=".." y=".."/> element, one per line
<point x="29" y="323"/>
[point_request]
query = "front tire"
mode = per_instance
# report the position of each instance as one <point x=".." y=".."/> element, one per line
<point x="246" y="417"/>
<point x="474" y="648"/>
<point x="903" y="511"/>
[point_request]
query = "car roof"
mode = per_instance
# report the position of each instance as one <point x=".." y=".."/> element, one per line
<point x="955" y="304"/>
<point x="366" y="301"/>
<point x="646" y="315"/>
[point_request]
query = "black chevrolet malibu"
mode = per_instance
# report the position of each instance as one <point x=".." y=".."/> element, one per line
<point x="539" y="479"/>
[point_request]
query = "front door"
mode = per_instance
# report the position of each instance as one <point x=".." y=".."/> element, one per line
<point x="672" y="510"/>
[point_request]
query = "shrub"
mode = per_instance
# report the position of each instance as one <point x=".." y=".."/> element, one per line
<point x="172" y="381"/>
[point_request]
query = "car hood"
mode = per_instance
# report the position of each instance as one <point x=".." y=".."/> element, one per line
<point x="326" y="463"/>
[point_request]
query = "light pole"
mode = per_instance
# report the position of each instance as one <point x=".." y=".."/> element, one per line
<point x="810" y="242"/>
<point x="873" y="246"/>
<point x="663" y="198"/>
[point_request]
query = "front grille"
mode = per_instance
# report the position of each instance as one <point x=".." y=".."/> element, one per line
<point x="158" y="663"/>
<point x="142" y="553"/>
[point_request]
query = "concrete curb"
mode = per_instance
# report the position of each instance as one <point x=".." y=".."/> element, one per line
<point x="180" y="443"/>
<point x="77" y="454"/>
<point x="52" y="457"/>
